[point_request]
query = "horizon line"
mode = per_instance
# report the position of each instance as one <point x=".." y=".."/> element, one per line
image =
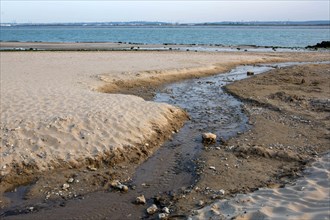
<point x="167" y="22"/>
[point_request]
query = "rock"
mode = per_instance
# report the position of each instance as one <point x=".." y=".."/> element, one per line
<point x="323" y="44"/>
<point x="70" y="180"/>
<point x="92" y="168"/>
<point x="123" y="188"/>
<point x="115" y="183"/>
<point x="118" y="185"/>
<point x="222" y="192"/>
<point x="209" y="138"/>
<point x="166" y="210"/>
<point x="152" y="209"/>
<point x="250" y="73"/>
<point x="163" y="216"/>
<point x="214" y="211"/>
<point x="65" y="186"/>
<point x="201" y="202"/>
<point x="212" y="168"/>
<point x="140" y="200"/>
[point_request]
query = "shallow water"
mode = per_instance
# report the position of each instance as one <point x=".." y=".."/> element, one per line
<point x="285" y="36"/>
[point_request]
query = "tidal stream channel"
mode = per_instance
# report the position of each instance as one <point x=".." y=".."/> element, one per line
<point x="173" y="167"/>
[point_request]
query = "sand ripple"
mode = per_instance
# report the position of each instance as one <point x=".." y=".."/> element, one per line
<point x="50" y="118"/>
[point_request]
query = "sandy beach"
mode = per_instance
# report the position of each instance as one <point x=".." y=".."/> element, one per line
<point x="64" y="112"/>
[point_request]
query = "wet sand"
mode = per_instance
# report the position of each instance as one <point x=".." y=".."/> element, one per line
<point x="128" y="46"/>
<point x="50" y="95"/>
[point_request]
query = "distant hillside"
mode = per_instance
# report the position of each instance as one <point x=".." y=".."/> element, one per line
<point x="275" y="23"/>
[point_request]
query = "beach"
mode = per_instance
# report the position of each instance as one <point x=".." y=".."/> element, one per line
<point x="79" y="112"/>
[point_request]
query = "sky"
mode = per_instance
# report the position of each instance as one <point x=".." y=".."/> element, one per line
<point x="50" y="11"/>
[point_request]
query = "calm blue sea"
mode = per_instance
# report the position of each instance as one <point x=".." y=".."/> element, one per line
<point x="288" y="36"/>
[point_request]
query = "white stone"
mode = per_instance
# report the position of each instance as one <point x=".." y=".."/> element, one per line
<point x="163" y="216"/>
<point x="65" y="186"/>
<point x="212" y="167"/>
<point x="166" y="210"/>
<point x="140" y="200"/>
<point x="152" y="209"/>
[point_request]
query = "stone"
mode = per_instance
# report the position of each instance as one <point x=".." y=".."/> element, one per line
<point x="323" y="44"/>
<point x="222" y="192"/>
<point x="118" y="185"/>
<point x="209" y="138"/>
<point x="212" y="168"/>
<point x="115" y="183"/>
<point x="163" y="216"/>
<point x="201" y="202"/>
<point x="249" y="73"/>
<point x="65" y="186"/>
<point x="152" y="209"/>
<point x="92" y="168"/>
<point x="140" y="200"/>
<point x="123" y="188"/>
<point x="214" y="211"/>
<point x="70" y="180"/>
<point x="166" y="210"/>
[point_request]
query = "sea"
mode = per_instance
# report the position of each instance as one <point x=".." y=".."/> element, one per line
<point x="281" y="36"/>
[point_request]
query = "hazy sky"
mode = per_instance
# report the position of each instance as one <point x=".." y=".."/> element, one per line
<point x="169" y="11"/>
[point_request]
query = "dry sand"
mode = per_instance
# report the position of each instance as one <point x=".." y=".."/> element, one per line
<point x="307" y="198"/>
<point x="53" y="115"/>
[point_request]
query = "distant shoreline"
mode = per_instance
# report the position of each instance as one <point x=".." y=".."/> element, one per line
<point x="169" y="24"/>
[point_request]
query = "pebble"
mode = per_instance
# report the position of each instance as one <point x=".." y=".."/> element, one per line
<point x="92" y="168"/>
<point x="123" y="187"/>
<point x="214" y="211"/>
<point x="65" y="186"/>
<point x="209" y="138"/>
<point x="140" y="200"/>
<point x="70" y="180"/>
<point x="163" y="216"/>
<point x="212" y="167"/>
<point x="222" y="192"/>
<point x="250" y="73"/>
<point x="152" y="209"/>
<point x="118" y="185"/>
<point x="166" y="210"/>
<point x="201" y="202"/>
